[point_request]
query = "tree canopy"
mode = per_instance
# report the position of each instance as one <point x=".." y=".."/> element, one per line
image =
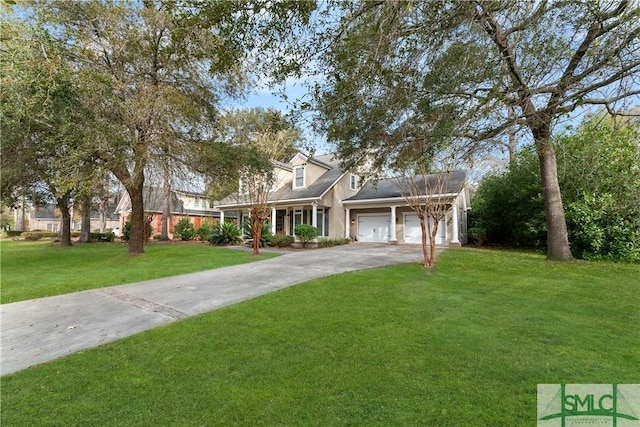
<point x="154" y="75"/>
<point x="44" y="121"/>
<point x="408" y="77"/>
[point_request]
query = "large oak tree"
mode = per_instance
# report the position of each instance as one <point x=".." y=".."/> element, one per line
<point x="158" y="72"/>
<point x="497" y="65"/>
<point x="43" y="122"/>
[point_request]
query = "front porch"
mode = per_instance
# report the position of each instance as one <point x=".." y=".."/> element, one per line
<point x="284" y="219"/>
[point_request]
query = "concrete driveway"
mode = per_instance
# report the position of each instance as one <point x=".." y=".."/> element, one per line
<point x="40" y="330"/>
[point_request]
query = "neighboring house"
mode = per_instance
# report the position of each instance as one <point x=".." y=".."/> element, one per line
<point x="316" y="191"/>
<point x="183" y="204"/>
<point x="48" y="218"/>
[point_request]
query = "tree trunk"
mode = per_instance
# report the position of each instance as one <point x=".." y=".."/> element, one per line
<point x="426" y="262"/>
<point x="65" y="222"/>
<point x="432" y="243"/>
<point x="85" y="226"/>
<point x="20" y="215"/>
<point x="257" y="234"/>
<point x="557" y="237"/>
<point x="512" y="142"/>
<point x="166" y="205"/>
<point x="136" y="233"/>
<point x="103" y="216"/>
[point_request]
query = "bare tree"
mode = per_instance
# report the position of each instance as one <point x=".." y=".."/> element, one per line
<point x="262" y="183"/>
<point x="429" y="195"/>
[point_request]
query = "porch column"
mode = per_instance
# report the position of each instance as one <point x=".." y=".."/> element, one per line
<point x="454" y="228"/>
<point x="287" y="227"/>
<point x="392" y="227"/>
<point x="347" y="223"/>
<point x="221" y="217"/>
<point x="314" y="214"/>
<point x="273" y="220"/>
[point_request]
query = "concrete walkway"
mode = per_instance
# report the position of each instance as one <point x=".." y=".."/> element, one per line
<point x="41" y="330"/>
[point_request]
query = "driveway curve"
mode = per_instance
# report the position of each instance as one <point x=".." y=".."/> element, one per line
<point x="40" y="330"/>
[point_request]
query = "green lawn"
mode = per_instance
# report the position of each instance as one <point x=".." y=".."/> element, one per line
<point x="38" y="269"/>
<point x="464" y="346"/>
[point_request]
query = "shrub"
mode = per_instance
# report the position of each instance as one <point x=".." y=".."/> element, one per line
<point x="38" y="235"/>
<point x="184" y="229"/>
<point x="327" y="243"/>
<point x="33" y="235"/>
<point x="281" y="240"/>
<point x="126" y="231"/>
<point x="13" y="233"/>
<point x="204" y="231"/>
<point x="265" y="236"/>
<point x="477" y="235"/>
<point x="305" y="233"/>
<point x="601" y="228"/>
<point x="102" y="237"/>
<point x="225" y="234"/>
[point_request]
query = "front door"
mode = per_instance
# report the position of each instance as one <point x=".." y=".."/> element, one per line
<point x="280" y="221"/>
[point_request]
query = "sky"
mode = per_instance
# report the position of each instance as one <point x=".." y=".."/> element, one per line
<point x="267" y="98"/>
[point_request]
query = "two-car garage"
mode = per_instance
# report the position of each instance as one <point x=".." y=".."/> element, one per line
<point x="376" y="228"/>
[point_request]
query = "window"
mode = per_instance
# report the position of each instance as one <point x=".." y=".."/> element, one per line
<point x="298" y="177"/>
<point x="297" y="218"/>
<point x="323" y="221"/>
<point x="197" y="203"/>
<point x="353" y="182"/>
<point x="244" y="185"/>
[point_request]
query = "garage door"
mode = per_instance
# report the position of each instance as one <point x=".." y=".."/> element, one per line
<point x="374" y="228"/>
<point x="413" y="232"/>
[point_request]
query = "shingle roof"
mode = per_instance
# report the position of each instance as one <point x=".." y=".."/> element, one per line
<point x="313" y="191"/>
<point x="152" y="197"/>
<point x="153" y="201"/>
<point x="451" y="183"/>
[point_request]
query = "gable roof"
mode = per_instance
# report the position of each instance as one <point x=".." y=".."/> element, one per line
<point x="452" y="184"/>
<point x="152" y="199"/>
<point x="324" y="160"/>
<point x="317" y="189"/>
<point x="286" y="193"/>
<point x="47" y="211"/>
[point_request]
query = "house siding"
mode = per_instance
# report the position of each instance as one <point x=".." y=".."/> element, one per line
<point x="334" y="199"/>
<point x="311" y="171"/>
<point x="326" y="185"/>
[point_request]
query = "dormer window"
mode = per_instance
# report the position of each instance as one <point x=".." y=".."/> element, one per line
<point x="244" y="185"/>
<point x="353" y="182"/>
<point x="298" y="177"/>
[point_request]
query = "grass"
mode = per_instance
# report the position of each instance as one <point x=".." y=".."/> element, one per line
<point x="463" y="346"/>
<point x="39" y="269"/>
